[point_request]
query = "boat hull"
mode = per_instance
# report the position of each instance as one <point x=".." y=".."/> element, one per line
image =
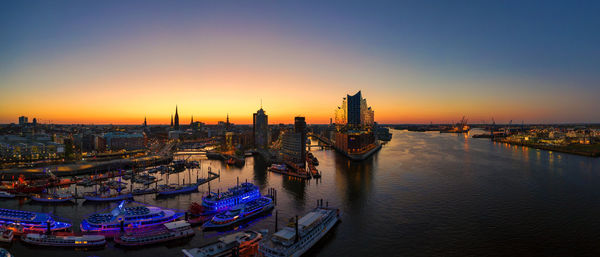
<point x="209" y="225"/>
<point x="52" y="200"/>
<point x="185" y="190"/>
<point x="107" y="199"/>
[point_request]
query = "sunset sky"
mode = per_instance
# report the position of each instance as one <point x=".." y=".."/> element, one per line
<point x="418" y="61"/>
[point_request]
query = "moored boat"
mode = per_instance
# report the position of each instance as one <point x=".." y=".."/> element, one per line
<point x="168" y="232"/>
<point x="243" y="244"/>
<point x="26" y="221"/>
<point x="85" y="241"/>
<point x="241" y="212"/>
<point x="128" y="218"/>
<point x="178" y="189"/>
<point x="52" y="198"/>
<point x="297" y="239"/>
<point x="4" y="194"/>
<point x="96" y="197"/>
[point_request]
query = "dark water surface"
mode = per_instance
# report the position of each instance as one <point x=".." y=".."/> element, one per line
<point x="423" y="194"/>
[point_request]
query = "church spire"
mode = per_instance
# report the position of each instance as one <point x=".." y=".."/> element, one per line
<point x="192" y="120"/>
<point x="145" y="124"/>
<point x="176" y="124"/>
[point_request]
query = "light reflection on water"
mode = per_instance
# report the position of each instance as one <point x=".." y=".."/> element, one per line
<point x="423" y="194"/>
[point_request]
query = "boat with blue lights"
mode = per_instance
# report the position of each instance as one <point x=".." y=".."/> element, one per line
<point x="85" y="241"/>
<point x="34" y="222"/>
<point x="100" y="197"/>
<point x="217" y="202"/>
<point x="240" y="212"/>
<point x="124" y="219"/>
<point x="167" y="232"/>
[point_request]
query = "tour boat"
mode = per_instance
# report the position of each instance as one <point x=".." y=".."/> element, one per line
<point x="278" y="168"/>
<point x="96" y="197"/>
<point x="168" y="232"/>
<point x="308" y="230"/>
<point x="136" y="217"/>
<point x="4" y="194"/>
<point x="6" y="235"/>
<point x="243" y="244"/>
<point x="216" y="202"/>
<point x="178" y="189"/>
<point x="52" y="198"/>
<point x="240" y="213"/>
<point x="85" y="241"/>
<point x="26" y="221"/>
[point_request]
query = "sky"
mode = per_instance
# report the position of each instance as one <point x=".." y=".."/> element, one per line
<point x="116" y="62"/>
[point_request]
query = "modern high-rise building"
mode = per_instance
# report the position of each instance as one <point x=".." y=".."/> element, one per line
<point x="354" y="126"/>
<point x="354" y="112"/>
<point x="354" y="103"/>
<point x="22" y="120"/>
<point x="300" y="128"/>
<point x="260" y="129"/>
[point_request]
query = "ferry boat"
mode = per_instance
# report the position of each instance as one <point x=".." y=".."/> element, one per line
<point x="26" y="221"/>
<point x="178" y="189"/>
<point x="4" y="194"/>
<point x="6" y="235"/>
<point x="98" y="197"/>
<point x="240" y="213"/>
<point x="243" y="244"/>
<point x="85" y="241"/>
<point x="243" y="193"/>
<point x="308" y="230"/>
<point x="168" y="232"/>
<point x="52" y="198"/>
<point x="135" y="217"/>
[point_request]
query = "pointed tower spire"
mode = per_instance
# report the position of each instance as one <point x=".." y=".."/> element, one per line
<point x="145" y="124"/>
<point x="192" y="120"/>
<point x="171" y="120"/>
<point x="176" y="124"/>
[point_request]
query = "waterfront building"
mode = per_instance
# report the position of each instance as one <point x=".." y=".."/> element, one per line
<point x="291" y="147"/>
<point x="124" y="141"/>
<point x="300" y="128"/>
<point x="38" y="147"/>
<point x="354" y="136"/>
<point x="260" y="129"/>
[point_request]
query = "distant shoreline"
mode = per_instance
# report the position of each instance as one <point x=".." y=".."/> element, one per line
<point x="583" y="150"/>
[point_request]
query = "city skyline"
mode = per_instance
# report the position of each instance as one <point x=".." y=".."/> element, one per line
<point x="68" y="63"/>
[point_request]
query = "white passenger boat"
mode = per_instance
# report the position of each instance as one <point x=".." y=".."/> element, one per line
<point x="85" y="241"/>
<point x="168" y="232"/>
<point x="307" y="231"/>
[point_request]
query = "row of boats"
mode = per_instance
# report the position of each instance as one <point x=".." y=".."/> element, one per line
<point x="142" y="225"/>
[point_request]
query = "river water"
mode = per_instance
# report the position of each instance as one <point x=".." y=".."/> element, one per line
<point x="423" y="194"/>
